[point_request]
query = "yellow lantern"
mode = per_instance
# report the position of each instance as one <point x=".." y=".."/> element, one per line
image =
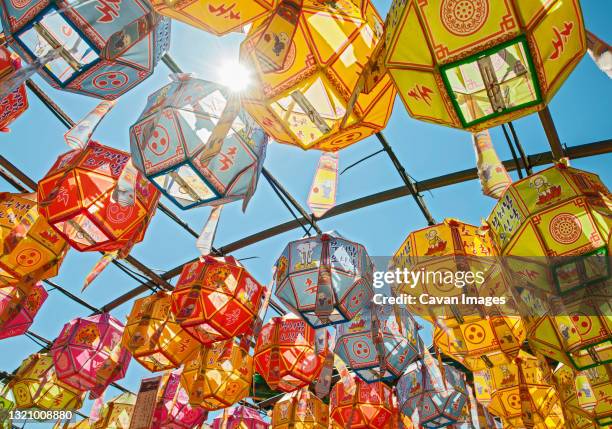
<point x="79" y="424"/>
<point x="36" y="386"/>
<point x="29" y="246"/>
<point x="307" y="59"/>
<point x="300" y="410"/>
<point x="475" y="64"/>
<point x="117" y="413"/>
<point x="217" y="376"/>
<point x="153" y="336"/>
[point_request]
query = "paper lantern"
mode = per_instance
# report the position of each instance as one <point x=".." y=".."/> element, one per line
<point x="300" y="410"/>
<point x="437" y="394"/>
<point x="307" y="59"/>
<point x="154" y="337"/>
<point x="216" y="299"/>
<point x="172" y="410"/>
<point x="193" y="155"/>
<point x="326" y="279"/>
<point x="105" y="49"/>
<point x="379" y="343"/>
<point x="78" y="195"/>
<point x="88" y="354"/>
<point x="475" y="64"/>
<point x="36" y="386"/>
<point x="6" y="405"/>
<point x="370" y="406"/>
<point x="78" y="424"/>
<point x="16" y="102"/>
<point x="32" y="249"/>
<point x="521" y="393"/>
<point x="218" y="16"/>
<point x="241" y="417"/>
<point x="116" y="413"/>
<point x="18" y="309"/>
<point x="218" y="376"/>
<point x="289" y="354"/>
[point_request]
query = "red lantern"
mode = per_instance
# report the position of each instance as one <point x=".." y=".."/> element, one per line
<point x="287" y="354"/>
<point x="18" y="309"/>
<point x="77" y="197"/>
<point x="216" y="299"/>
<point x="370" y="406"/>
<point x="15" y="103"/>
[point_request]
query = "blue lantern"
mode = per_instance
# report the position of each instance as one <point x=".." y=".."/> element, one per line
<point x="379" y="343"/>
<point x="103" y="48"/>
<point x="196" y="145"/>
<point x="326" y="279"/>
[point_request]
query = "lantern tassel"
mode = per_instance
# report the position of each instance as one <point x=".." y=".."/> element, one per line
<point x="204" y="242"/>
<point x="494" y="178"/>
<point x="323" y="191"/>
<point x="102" y="263"/>
<point x="260" y="141"/>
<point x="601" y="53"/>
<point x="323" y="383"/>
<point x="78" y="136"/>
<point x="96" y="408"/>
<point x="124" y="193"/>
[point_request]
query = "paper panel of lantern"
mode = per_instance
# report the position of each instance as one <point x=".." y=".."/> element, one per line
<point x="104" y="51"/>
<point x="16" y="102"/>
<point x="78" y="196"/>
<point x="307" y="60"/>
<point x="520" y="392"/>
<point x="289" y="354"/>
<point x="241" y="417"/>
<point x="478" y="64"/>
<point x="300" y="410"/>
<point x="370" y="406"/>
<point x="117" y="412"/>
<point x="379" y="343"/>
<point x="216" y="299"/>
<point x="172" y="410"/>
<point x="173" y="143"/>
<point x="18" y="308"/>
<point x="36" y="386"/>
<point x="327" y="279"/>
<point x="153" y="336"/>
<point x="30" y="246"/>
<point x="88" y="354"/>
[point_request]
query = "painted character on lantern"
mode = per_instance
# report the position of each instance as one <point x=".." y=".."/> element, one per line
<point x="545" y="190"/>
<point x="87" y="334"/>
<point x="436" y="244"/>
<point x="305" y="251"/>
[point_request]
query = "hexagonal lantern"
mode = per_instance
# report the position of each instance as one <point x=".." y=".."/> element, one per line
<point x="88" y="354"/>
<point x="16" y="102"/>
<point x="327" y="279"/>
<point x="475" y="64"/>
<point x="369" y="407"/>
<point x="216" y="299"/>
<point x="31" y="248"/>
<point x="307" y="60"/>
<point x="172" y="410"/>
<point x="300" y="410"/>
<point x="218" y="376"/>
<point x="18" y="309"/>
<point x="520" y="392"/>
<point x="241" y="417"/>
<point x="216" y="16"/>
<point x="78" y="200"/>
<point x="105" y="49"/>
<point x="153" y="336"/>
<point x="379" y="343"/>
<point x="289" y="354"/>
<point x="36" y="386"/>
<point x="117" y="412"/>
<point x="174" y="143"/>
<point x="436" y="394"/>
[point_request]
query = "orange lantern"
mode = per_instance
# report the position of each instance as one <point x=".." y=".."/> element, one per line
<point x="216" y="299"/>
<point x="78" y="199"/>
<point x="31" y="248"/>
<point x="287" y="354"/>
<point x="18" y="309"/>
<point x="218" y="376"/>
<point x="154" y="337"/>
<point x="307" y="60"/>
<point x="369" y="406"/>
<point x="300" y="410"/>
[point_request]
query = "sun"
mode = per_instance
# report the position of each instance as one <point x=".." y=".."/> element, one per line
<point x="234" y="75"/>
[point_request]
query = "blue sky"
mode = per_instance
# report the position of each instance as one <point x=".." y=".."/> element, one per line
<point x="581" y="111"/>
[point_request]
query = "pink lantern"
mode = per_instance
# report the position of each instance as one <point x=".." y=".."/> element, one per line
<point x="88" y="354"/>
<point x="241" y="417"/>
<point x="173" y="410"/>
<point x="18" y="309"/>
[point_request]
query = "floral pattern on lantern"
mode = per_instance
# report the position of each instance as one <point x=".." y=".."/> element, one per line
<point x="216" y="299"/>
<point x="326" y="279"/>
<point x="186" y="146"/>
<point x="16" y="102"/>
<point x="369" y="407"/>
<point x="36" y="386"/>
<point x="300" y="410"/>
<point x="105" y="51"/>
<point x="218" y="376"/>
<point x="241" y="417"/>
<point x="30" y="247"/>
<point x="173" y="410"/>
<point x="154" y="337"/>
<point x="307" y="60"/>
<point x="289" y="354"/>
<point x="18" y="309"/>
<point x="478" y="64"/>
<point x="116" y="413"/>
<point x="379" y="343"/>
<point x="78" y="195"/>
<point x="88" y="354"/>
